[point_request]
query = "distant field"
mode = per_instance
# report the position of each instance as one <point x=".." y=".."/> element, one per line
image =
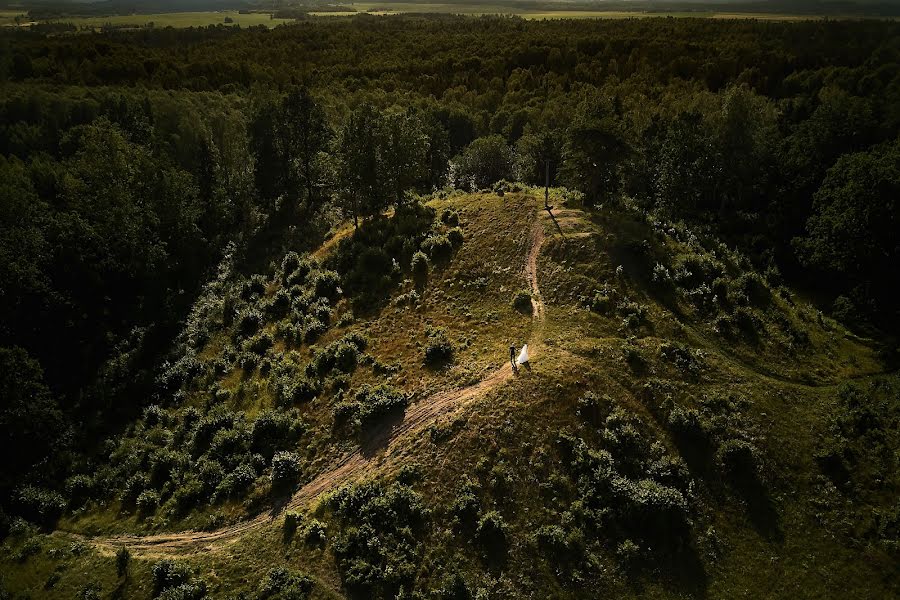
<point x="196" y="19"/>
<point x="8" y="17"/>
<point x="180" y="19"/>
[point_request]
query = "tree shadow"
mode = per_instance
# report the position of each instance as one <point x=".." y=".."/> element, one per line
<point x="375" y="440"/>
<point x="761" y="509"/>
<point x="680" y="570"/>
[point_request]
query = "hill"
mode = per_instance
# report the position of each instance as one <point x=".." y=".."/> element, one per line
<point x="335" y="426"/>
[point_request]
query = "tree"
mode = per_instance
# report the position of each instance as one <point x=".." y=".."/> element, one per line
<point x="484" y="162"/>
<point x="533" y="152"/>
<point x="32" y="424"/>
<point x="287" y="136"/>
<point x="594" y="149"/>
<point x="403" y="146"/>
<point x="852" y="232"/>
<point x="357" y="165"/>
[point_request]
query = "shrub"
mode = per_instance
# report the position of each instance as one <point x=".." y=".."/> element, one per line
<point x="40" y="505"/>
<point x="491" y="533"/>
<point x="236" y="482"/>
<point x="259" y="344"/>
<point x="185" y="591"/>
<point x="738" y="460"/>
<point x="285" y="469"/>
<point x="374" y="403"/>
<point x="314" y="533"/>
<point x="450" y="217"/>
<point x="601" y="303"/>
<point x="273" y="429"/>
<point x="419" y="266"/>
<point x="438" y="350"/>
<point x="521" y="301"/>
<point x="78" y="489"/>
<point x="326" y="283"/>
<point x="279" y="305"/>
<point x="290" y="262"/>
<point x="249" y="323"/>
<point x="169" y="574"/>
<point x="291" y="521"/>
<point x="438" y="248"/>
<point x="147" y="502"/>
<point x="593" y="408"/>
<point x="345" y="356"/>
<point x="466" y="510"/>
<point x="754" y="287"/>
<point x="283" y="584"/>
<point x="456" y="237"/>
<point x="253" y="288"/>
<point x="312" y="330"/>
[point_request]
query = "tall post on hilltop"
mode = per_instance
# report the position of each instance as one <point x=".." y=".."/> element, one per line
<point x="546" y="183"/>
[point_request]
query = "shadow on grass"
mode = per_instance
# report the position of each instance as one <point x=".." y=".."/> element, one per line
<point x="376" y="439"/>
<point x="681" y="571"/>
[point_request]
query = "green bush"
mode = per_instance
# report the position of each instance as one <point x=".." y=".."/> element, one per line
<point x="376" y="402"/>
<point x="259" y="344"/>
<point x="169" y="574"/>
<point x="438" y="349"/>
<point x="285" y="469"/>
<point x="40" y="505"/>
<point x="491" y="533"/>
<point x="419" y="266"/>
<point x="279" y="304"/>
<point x="248" y="324"/>
<point x="283" y="584"/>
<point x="314" y="533"/>
<point x="79" y="489"/>
<point x="312" y="330"/>
<point x="450" y="217"/>
<point x="253" y="288"/>
<point x="738" y="460"/>
<point x="456" y="237"/>
<point x="147" y="502"/>
<point x="292" y="520"/>
<point x="521" y="301"/>
<point x="438" y="248"/>
<point x="326" y="283"/>
<point x="236" y="482"/>
<point x="601" y="304"/>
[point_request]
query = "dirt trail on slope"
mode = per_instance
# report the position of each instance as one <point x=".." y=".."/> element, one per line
<point x="373" y="452"/>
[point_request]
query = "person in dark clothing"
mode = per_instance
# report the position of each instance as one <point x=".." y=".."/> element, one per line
<point x="512" y="358"/>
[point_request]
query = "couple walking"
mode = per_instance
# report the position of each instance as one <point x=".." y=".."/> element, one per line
<point x="521" y="360"/>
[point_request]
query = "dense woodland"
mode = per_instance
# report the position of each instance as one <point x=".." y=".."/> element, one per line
<point x="132" y="163"/>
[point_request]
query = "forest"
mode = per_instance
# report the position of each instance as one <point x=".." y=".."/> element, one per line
<point x="138" y="167"/>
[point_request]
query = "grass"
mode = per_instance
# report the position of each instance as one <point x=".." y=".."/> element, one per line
<point x="505" y="441"/>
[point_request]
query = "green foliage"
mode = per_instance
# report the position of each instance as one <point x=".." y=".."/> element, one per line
<point x="492" y="534"/>
<point x="378" y="547"/>
<point x="369" y="405"/>
<point x="283" y="584"/>
<point x="484" y="162"/>
<point x="285" y="469"/>
<point x="418" y="266"/>
<point x="438" y="349"/>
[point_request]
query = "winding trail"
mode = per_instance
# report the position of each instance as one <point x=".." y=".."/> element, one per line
<point x="355" y="464"/>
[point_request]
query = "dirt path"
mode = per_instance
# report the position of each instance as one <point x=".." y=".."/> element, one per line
<point x="375" y="451"/>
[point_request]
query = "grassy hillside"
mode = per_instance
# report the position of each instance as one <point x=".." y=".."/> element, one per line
<point x="345" y="424"/>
